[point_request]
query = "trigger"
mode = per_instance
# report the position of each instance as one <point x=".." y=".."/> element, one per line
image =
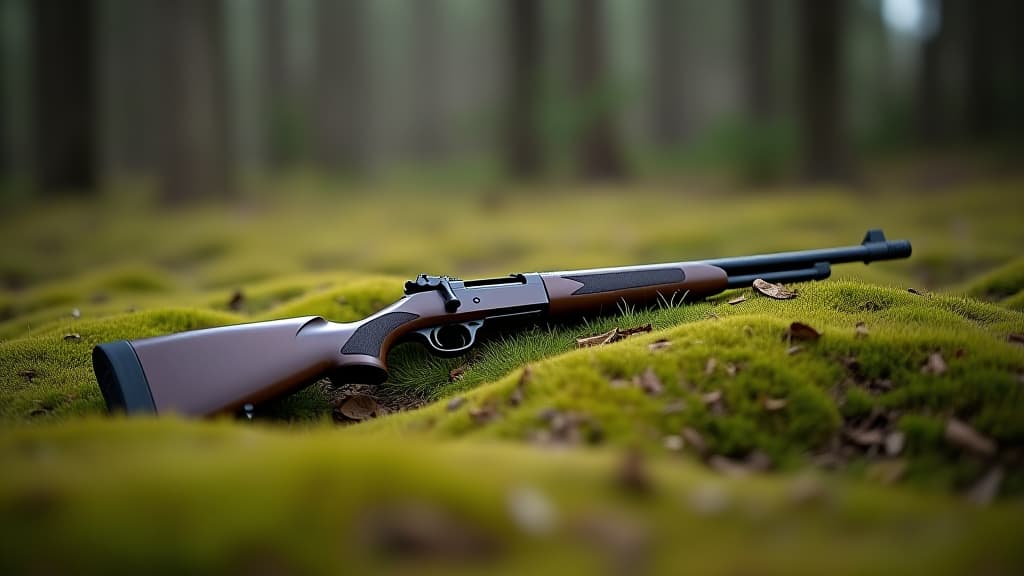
<point x="452" y="339"/>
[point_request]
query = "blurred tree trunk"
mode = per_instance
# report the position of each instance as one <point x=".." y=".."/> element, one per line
<point x="932" y="110"/>
<point x="667" y="100"/>
<point x="65" y="88"/>
<point x="194" y="132"/>
<point x="524" y="154"/>
<point x="599" y="155"/>
<point x="759" y="34"/>
<point x="277" y="84"/>
<point x="1013" y="97"/>
<point x="820" y="86"/>
<point x="981" y="55"/>
<point x="995" y="71"/>
<point x="6" y="156"/>
<point x="428" y="35"/>
<point x="343" y="102"/>
<point x="130" y="95"/>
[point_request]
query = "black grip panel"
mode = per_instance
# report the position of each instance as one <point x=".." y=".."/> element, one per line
<point x="612" y="281"/>
<point x="369" y="337"/>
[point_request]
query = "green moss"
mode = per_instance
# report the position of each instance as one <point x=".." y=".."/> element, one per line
<point x="826" y="379"/>
<point x="857" y="404"/>
<point x="48" y="376"/>
<point x="352" y="300"/>
<point x="303" y="498"/>
<point x="1015" y="302"/>
<point x="333" y="501"/>
<point x="1001" y="283"/>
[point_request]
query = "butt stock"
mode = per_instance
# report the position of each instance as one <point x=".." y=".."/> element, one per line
<point x="215" y="370"/>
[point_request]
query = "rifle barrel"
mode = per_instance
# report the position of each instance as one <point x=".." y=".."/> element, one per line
<point x="804" y="265"/>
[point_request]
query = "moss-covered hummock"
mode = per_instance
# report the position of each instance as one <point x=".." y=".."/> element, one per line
<point x="879" y="434"/>
<point x="174" y="497"/>
<point x="1004" y="285"/>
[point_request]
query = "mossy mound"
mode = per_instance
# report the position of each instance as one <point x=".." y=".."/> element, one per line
<point x="1004" y="285"/>
<point x="745" y="387"/>
<point x="174" y="497"/>
<point x="899" y="405"/>
<point x="727" y="373"/>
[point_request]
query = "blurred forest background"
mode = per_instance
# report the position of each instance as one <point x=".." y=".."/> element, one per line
<point x="196" y="99"/>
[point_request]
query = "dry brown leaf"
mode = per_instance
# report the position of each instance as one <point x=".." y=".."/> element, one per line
<point x="695" y="440"/>
<point x="916" y="292"/>
<point x="961" y="434"/>
<point x="737" y="300"/>
<point x="709" y="367"/>
<point x="613" y="335"/>
<point x="673" y="443"/>
<point x="894" y="443"/>
<point x="649" y="382"/>
<point x="457" y="372"/>
<point x="632" y="474"/>
<point x="483" y="413"/>
<point x="759" y="461"/>
<point x="775" y="404"/>
<point x="531" y="510"/>
<point x="515" y="398"/>
<point x="73" y="337"/>
<point x="865" y="437"/>
<point x="883" y="384"/>
<point x="728" y="467"/>
<point x="801" y="332"/>
<point x="712" y="397"/>
<point x="860" y="330"/>
<point x="423" y="532"/>
<point x="1015" y="338"/>
<point x="935" y="365"/>
<point x="627" y="332"/>
<point x="237" y="301"/>
<point x="660" y="344"/>
<point x="359" y="407"/>
<point x="776" y="291"/>
<point x="599" y="340"/>
<point x="985" y="490"/>
<point x="456" y="403"/>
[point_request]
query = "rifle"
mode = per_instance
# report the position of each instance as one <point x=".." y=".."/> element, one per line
<point x="217" y="370"/>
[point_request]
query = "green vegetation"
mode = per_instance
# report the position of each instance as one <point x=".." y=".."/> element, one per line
<point x="843" y="440"/>
<point x="173" y="497"/>
<point x="1004" y="285"/>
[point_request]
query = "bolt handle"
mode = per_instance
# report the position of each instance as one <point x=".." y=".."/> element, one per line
<point x="426" y="283"/>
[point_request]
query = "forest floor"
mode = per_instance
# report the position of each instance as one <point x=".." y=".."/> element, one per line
<point x="884" y="432"/>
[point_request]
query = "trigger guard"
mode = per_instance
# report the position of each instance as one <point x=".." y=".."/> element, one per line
<point x="430" y="337"/>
